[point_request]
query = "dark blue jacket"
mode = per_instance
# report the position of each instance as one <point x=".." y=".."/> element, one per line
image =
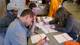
<point x="69" y="28"/>
<point x="6" y="20"/>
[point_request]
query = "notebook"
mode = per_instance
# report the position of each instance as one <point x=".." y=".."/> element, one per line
<point x="62" y="37"/>
<point x="38" y="37"/>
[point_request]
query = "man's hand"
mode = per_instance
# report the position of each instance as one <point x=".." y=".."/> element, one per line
<point x="41" y="42"/>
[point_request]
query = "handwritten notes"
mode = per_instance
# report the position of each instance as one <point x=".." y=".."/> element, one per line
<point x="38" y="37"/>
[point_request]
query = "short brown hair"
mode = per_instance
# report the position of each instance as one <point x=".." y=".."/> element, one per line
<point x="27" y="12"/>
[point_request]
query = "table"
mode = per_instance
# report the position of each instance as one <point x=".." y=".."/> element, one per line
<point x="51" y="41"/>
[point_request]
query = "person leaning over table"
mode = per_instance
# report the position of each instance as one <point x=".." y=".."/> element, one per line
<point x="64" y="22"/>
<point x="68" y="27"/>
<point x="18" y="31"/>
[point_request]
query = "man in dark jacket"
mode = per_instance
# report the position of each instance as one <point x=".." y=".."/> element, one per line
<point x="7" y="19"/>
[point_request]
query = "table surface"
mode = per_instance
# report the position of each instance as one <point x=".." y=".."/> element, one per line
<point x="52" y="40"/>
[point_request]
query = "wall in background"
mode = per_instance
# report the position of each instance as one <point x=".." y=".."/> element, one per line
<point x="2" y="7"/>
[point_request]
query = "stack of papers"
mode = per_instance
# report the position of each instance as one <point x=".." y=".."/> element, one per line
<point x="45" y="19"/>
<point x="46" y="28"/>
<point x="38" y="37"/>
<point x="62" y="37"/>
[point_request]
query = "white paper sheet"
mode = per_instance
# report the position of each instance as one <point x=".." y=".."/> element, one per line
<point x="39" y="25"/>
<point x="38" y="37"/>
<point x="62" y="37"/>
<point x="45" y="19"/>
<point x="45" y="28"/>
<point x="67" y="36"/>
